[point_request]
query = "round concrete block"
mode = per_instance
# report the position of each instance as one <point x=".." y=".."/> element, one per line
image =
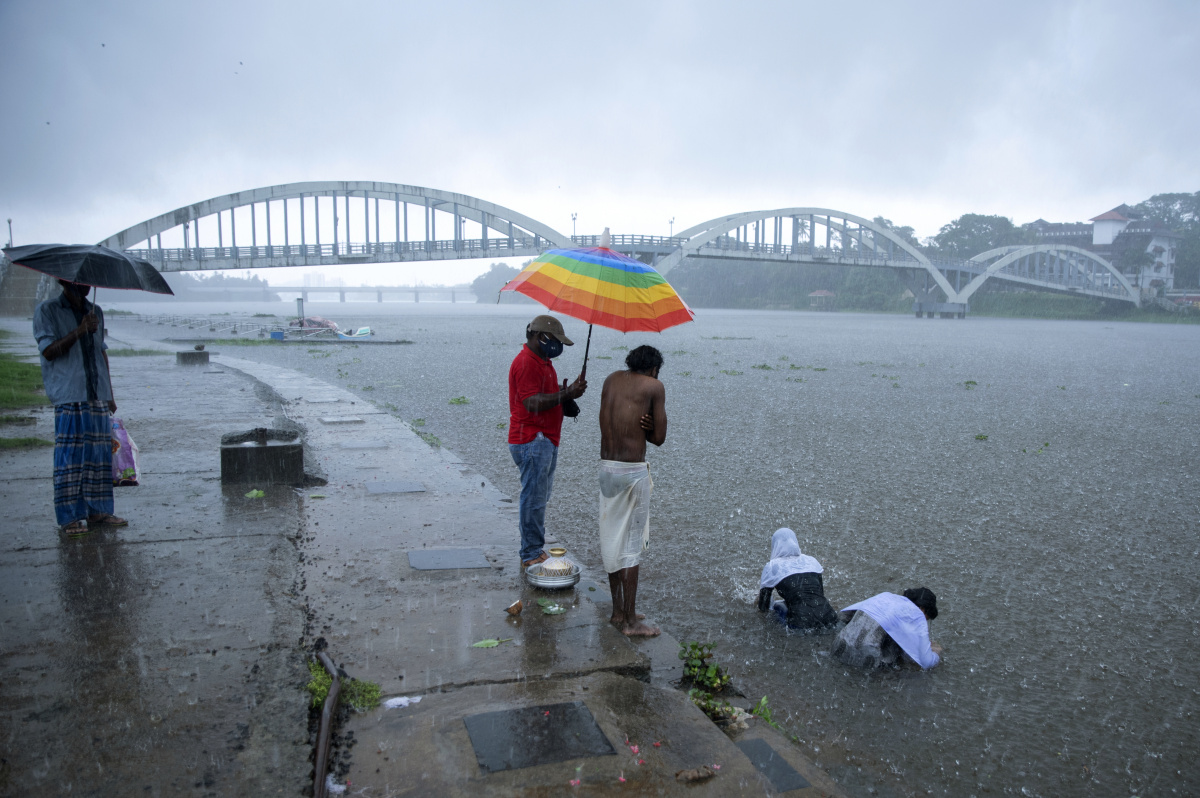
<point x="262" y="457"/>
<point x="192" y="358"/>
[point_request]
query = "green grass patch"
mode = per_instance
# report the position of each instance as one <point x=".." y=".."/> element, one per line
<point x="357" y="694"/>
<point x="24" y="443"/>
<point x="10" y="419"/>
<point x="20" y="383"/>
<point x="242" y="342"/>
<point x="135" y="352"/>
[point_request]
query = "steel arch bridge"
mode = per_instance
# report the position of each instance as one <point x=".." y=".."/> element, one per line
<point x="296" y="236"/>
<point x="354" y="222"/>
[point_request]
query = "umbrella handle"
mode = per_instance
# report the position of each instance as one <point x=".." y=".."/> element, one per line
<point x="96" y="304"/>
<point x="586" y="349"/>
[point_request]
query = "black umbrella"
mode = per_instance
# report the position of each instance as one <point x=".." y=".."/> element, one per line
<point x="90" y="264"/>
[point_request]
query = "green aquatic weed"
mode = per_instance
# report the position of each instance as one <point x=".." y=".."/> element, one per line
<point x="698" y="667"/>
<point x="763" y="711"/>
<point x="460" y="400"/>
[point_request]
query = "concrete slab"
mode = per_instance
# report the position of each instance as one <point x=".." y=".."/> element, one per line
<point x="523" y="737"/>
<point x="153" y="659"/>
<point x="427" y="746"/>
<point x="332" y="420"/>
<point x="362" y="445"/>
<point x="394" y="486"/>
<point x="447" y="559"/>
<point x="782" y="775"/>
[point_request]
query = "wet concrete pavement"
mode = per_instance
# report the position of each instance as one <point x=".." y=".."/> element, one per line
<point x="168" y="658"/>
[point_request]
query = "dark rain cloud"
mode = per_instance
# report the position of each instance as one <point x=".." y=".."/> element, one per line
<point x="627" y="113"/>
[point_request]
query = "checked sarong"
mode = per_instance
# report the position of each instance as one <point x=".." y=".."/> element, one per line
<point x="82" y="461"/>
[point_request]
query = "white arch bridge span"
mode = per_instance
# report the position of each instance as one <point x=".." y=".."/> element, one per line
<point x="355" y="222"/>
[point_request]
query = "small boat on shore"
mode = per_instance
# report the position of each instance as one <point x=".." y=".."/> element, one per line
<point x="360" y="333"/>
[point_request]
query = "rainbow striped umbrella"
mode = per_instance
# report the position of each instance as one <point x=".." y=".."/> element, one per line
<point x="599" y="286"/>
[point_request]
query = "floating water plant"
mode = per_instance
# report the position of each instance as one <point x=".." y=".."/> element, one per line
<point x="763" y="367"/>
<point x="970" y="384"/>
<point x="731" y="372"/>
<point x="981" y="437"/>
<point x="460" y="400"/>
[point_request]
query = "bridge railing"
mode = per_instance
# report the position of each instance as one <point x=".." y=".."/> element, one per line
<point x="728" y="244"/>
<point x="475" y="246"/>
<point x="621" y="241"/>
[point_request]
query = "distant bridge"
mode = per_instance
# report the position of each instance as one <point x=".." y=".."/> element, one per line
<point x="245" y="293"/>
<point x="356" y="222"/>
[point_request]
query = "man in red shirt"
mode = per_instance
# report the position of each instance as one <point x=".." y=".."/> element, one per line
<point x="535" y="403"/>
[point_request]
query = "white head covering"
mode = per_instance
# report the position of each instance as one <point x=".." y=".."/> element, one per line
<point x="904" y="622"/>
<point x="786" y="559"/>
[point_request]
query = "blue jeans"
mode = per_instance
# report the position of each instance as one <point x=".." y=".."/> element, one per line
<point x="536" y="460"/>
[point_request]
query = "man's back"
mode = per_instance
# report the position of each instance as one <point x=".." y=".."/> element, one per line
<point x="627" y="396"/>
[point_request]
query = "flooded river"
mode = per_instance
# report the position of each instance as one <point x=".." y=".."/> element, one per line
<point x="1041" y="477"/>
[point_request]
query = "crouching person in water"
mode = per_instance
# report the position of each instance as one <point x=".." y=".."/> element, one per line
<point x="797" y="578"/>
<point x="886" y="630"/>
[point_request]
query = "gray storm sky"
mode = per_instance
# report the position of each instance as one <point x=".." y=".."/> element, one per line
<point x="628" y="113"/>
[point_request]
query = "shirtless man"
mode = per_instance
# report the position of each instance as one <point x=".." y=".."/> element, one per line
<point x="632" y="411"/>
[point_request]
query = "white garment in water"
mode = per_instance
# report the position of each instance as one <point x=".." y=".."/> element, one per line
<point x="903" y="621"/>
<point x="624" y="513"/>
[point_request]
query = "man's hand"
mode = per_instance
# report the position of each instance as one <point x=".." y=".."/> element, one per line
<point x="575" y="389"/>
<point x="90" y="324"/>
<point x="647" y="423"/>
<point x="112" y="405"/>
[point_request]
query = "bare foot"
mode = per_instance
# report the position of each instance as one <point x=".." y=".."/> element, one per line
<point x="617" y="620"/>
<point x="640" y="629"/>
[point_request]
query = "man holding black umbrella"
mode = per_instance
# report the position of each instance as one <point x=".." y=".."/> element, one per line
<point x="70" y="335"/>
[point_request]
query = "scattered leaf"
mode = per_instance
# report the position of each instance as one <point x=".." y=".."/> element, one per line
<point x="255" y="494"/>
<point x="490" y="642"/>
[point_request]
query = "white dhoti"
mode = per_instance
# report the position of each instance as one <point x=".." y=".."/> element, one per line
<point x="624" y="513"/>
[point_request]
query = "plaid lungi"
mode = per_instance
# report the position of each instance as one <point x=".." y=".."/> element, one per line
<point x="82" y="461"/>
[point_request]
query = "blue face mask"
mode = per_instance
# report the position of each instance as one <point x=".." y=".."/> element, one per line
<point x="551" y="347"/>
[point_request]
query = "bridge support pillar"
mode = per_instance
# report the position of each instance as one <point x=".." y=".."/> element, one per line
<point x="945" y="310"/>
<point x="452" y="299"/>
<point x="378" y="296"/>
<point x="341" y="296"/>
<point x="416" y="296"/>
